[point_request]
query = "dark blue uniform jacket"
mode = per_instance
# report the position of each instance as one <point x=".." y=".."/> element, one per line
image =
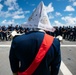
<point x="24" y="49"/>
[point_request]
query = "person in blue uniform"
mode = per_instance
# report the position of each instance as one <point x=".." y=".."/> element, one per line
<point x="24" y="49"/>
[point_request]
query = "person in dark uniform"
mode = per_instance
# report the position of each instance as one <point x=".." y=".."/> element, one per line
<point x="4" y="33"/>
<point x="24" y="49"/>
<point x="0" y="33"/>
<point x="74" y="33"/>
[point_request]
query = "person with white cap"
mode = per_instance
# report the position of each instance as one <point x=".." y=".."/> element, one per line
<point x="36" y="53"/>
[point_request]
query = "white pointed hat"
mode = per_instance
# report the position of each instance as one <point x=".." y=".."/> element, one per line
<point x="39" y="19"/>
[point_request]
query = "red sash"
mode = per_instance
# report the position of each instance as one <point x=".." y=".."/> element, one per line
<point x="46" y="44"/>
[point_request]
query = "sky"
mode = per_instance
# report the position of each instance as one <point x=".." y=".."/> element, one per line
<point x="17" y="12"/>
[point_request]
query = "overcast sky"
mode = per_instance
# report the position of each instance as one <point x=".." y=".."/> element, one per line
<point x="60" y="12"/>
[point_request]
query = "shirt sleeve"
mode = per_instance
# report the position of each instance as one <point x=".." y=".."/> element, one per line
<point x="14" y="63"/>
<point x="55" y="65"/>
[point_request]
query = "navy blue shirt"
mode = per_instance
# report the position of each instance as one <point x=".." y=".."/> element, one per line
<point x="24" y="49"/>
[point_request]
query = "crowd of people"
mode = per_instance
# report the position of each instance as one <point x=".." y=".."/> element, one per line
<point x="5" y="32"/>
<point x="68" y="33"/>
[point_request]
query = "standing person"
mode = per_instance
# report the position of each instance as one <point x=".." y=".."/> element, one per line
<point x="0" y="33"/>
<point x="35" y="52"/>
<point x="4" y="33"/>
